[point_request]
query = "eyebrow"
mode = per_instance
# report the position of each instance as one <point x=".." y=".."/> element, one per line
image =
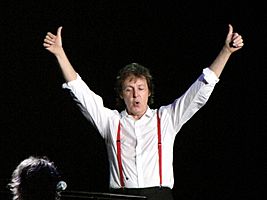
<point x="139" y="85"/>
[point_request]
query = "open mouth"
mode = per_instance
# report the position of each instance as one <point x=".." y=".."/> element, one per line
<point x="136" y="103"/>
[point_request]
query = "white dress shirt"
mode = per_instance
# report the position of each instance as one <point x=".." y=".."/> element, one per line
<point x="139" y="141"/>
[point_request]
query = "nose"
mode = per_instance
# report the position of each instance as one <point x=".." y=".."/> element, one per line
<point x="135" y="93"/>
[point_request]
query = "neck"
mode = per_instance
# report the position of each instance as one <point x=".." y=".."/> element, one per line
<point x="136" y="116"/>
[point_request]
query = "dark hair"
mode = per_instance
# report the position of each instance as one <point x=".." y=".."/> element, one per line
<point x="34" y="178"/>
<point x="138" y="71"/>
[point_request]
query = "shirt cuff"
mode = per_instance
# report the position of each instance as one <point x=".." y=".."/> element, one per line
<point x="210" y="76"/>
<point x="67" y="85"/>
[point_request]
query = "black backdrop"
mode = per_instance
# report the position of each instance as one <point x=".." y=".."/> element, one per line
<point x="218" y="153"/>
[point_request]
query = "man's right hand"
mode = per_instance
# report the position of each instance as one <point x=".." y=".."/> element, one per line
<point x="53" y="43"/>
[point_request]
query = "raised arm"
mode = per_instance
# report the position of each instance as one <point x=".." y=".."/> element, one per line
<point x="233" y="42"/>
<point x="53" y="43"/>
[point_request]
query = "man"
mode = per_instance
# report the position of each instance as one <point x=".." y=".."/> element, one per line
<point x="36" y="178"/>
<point x="140" y="139"/>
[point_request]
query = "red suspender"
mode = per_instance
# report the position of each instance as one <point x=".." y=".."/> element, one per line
<point x="119" y="151"/>
<point x="159" y="149"/>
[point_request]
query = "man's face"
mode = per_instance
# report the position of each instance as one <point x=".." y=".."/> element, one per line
<point x="135" y="94"/>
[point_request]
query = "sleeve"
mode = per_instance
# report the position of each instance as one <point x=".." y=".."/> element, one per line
<point x="184" y="107"/>
<point x="90" y="104"/>
<point x="210" y="77"/>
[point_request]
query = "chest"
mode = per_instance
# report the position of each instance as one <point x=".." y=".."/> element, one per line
<point x="139" y="134"/>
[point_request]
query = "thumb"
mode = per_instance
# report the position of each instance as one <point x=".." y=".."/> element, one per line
<point x="59" y="31"/>
<point x="230" y="31"/>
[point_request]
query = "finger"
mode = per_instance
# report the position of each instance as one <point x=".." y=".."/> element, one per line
<point x="241" y="45"/>
<point x="51" y="35"/>
<point x="46" y="45"/>
<point x="48" y="41"/>
<point x="239" y="41"/>
<point x="238" y="38"/>
<point x="49" y="38"/>
<point x="235" y="36"/>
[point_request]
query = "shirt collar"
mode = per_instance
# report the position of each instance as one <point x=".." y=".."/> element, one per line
<point x="148" y="113"/>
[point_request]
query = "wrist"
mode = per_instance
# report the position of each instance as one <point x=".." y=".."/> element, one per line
<point x="225" y="50"/>
<point x="60" y="53"/>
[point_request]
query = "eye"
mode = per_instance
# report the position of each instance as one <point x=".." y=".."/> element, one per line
<point x="128" y="89"/>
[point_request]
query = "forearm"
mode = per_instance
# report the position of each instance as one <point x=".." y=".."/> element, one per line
<point x="220" y="61"/>
<point x="67" y="70"/>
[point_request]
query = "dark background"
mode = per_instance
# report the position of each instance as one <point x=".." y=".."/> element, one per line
<point x="218" y="154"/>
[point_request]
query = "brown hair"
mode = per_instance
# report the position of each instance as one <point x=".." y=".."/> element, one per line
<point x="138" y="71"/>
